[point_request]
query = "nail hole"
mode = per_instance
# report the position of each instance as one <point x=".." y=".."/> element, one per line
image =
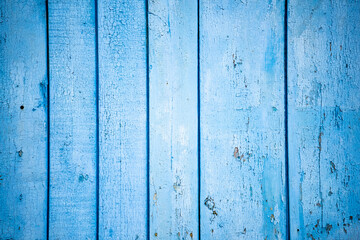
<point x="22" y="107"/>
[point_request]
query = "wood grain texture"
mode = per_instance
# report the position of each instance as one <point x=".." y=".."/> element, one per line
<point x="324" y="129"/>
<point x="72" y="120"/>
<point x="242" y="120"/>
<point x="123" y="119"/>
<point x="23" y="125"/>
<point x="173" y="119"/>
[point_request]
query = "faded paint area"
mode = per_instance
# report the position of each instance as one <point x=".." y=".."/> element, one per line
<point x="242" y="120"/>
<point x="324" y="133"/>
<point x="173" y="119"/>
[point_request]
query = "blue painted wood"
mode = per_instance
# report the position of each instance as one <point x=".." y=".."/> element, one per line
<point x="72" y="120"/>
<point x="242" y="120"/>
<point x="122" y="123"/>
<point x="242" y="139"/>
<point x="23" y="108"/>
<point x="324" y="133"/>
<point x="173" y="119"/>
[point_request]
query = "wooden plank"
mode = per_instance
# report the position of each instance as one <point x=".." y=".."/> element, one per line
<point x="173" y="119"/>
<point x="23" y="114"/>
<point x="324" y="129"/>
<point x="72" y="120"/>
<point x="242" y="120"/>
<point x="123" y="119"/>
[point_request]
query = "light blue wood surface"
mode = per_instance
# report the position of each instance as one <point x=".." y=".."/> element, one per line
<point x="23" y="114"/>
<point x="242" y="120"/>
<point x="173" y="119"/>
<point x="324" y="133"/>
<point x="143" y="76"/>
<point x="123" y="120"/>
<point x="72" y="120"/>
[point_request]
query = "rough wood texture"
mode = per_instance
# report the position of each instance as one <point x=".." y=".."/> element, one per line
<point x="324" y="133"/>
<point x="242" y="120"/>
<point x="123" y="140"/>
<point x="148" y="121"/>
<point x="72" y="120"/>
<point x="23" y="108"/>
<point x="173" y="119"/>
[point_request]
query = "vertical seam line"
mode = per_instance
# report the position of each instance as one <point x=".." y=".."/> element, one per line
<point x="147" y="121"/>
<point x="198" y="116"/>
<point x="286" y="120"/>
<point x="48" y="119"/>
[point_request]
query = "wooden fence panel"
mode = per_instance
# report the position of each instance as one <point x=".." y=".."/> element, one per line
<point x="242" y="120"/>
<point x="324" y="133"/>
<point x="178" y="119"/>
<point x="173" y="119"/>
<point x="123" y="120"/>
<point x="72" y="120"/>
<point x="23" y="120"/>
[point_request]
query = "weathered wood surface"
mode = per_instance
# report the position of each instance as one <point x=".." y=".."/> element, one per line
<point x="242" y="120"/>
<point x="324" y="133"/>
<point x="173" y="119"/>
<point x="123" y="119"/>
<point x="23" y="124"/>
<point x="72" y="120"/>
<point x="127" y="72"/>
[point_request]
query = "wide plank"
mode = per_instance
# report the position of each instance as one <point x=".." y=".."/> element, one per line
<point x="324" y="129"/>
<point x="242" y="120"/>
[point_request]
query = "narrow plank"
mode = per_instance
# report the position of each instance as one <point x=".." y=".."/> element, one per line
<point x="23" y="114"/>
<point x="324" y="129"/>
<point x="72" y="120"/>
<point x="173" y="119"/>
<point x="123" y="117"/>
<point x="242" y="120"/>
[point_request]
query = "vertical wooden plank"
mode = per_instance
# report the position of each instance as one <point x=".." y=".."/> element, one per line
<point x="72" y="120"/>
<point x="242" y="120"/>
<point x="123" y="117"/>
<point x="173" y="119"/>
<point x="23" y="114"/>
<point x="324" y="129"/>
